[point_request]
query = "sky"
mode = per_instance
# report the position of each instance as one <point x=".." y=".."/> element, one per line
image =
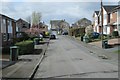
<point x="70" y="10"/>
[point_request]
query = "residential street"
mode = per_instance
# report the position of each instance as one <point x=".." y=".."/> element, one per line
<point x="65" y="58"/>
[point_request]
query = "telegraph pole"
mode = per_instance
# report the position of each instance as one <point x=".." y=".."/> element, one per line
<point x="102" y="23"/>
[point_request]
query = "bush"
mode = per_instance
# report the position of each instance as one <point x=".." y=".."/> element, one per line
<point x="115" y="34"/>
<point x="39" y="39"/>
<point x="25" y="47"/>
<point x="21" y="36"/>
<point x="32" y="37"/>
<point x="47" y="34"/>
<point x="77" y="35"/>
<point x="104" y="36"/>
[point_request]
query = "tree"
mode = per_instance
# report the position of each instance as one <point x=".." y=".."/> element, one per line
<point x="36" y="18"/>
<point x="89" y="29"/>
<point x="88" y="32"/>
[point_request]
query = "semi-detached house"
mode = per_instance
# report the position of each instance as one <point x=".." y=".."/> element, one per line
<point x="96" y="27"/>
<point x="7" y="30"/>
<point x="114" y="21"/>
<point x="109" y="17"/>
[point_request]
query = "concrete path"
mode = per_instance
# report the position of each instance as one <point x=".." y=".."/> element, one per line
<point x="25" y="67"/>
<point x="65" y="58"/>
<point x="110" y="42"/>
<point x="6" y="63"/>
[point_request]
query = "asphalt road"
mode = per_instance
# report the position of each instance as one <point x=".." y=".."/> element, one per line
<point x="65" y="58"/>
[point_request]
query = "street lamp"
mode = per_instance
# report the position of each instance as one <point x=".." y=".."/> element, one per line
<point x="102" y="23"/>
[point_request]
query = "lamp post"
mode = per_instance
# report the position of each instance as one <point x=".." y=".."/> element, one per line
<point x="102" y="23"/>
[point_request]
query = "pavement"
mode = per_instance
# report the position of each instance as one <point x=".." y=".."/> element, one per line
<point x="6" y="63"/>
<point x="113" y="42"/>
<point x="25" y="67"/>
<point x="69" y="58"/>
<point x="96" y="50"/>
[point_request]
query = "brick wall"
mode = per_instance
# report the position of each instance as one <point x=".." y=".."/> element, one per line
<point x="113" y="17"/>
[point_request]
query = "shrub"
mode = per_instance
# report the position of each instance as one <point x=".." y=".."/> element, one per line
<point x="89" y="29"/>
<point x="77" y="35"/>
<point x="21" y="36"/>
<point x="115" y="34"/>
<point x="103" y="37"/>
<point x="47" y="33"/>
<point x="32" y="37"/>
<point x="39" y="39"/>
<point x="25" y="47"/>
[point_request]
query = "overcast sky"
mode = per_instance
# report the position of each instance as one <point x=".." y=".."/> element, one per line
<point x="70" y="11"/>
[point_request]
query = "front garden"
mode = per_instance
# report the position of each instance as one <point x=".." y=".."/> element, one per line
<point x="25" y="43"/>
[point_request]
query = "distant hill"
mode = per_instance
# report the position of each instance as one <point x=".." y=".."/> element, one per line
<point x="84" y="22"/>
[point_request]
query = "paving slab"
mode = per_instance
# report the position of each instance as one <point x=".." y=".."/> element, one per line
<point x="24" y="68"/>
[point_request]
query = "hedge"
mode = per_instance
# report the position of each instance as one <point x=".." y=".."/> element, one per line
<point x="25" y="47"/>
<point x="115" y="34"/>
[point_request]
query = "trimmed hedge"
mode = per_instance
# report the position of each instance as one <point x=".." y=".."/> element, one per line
<point x="25" y="47"/>
<point x="115" y="34"/>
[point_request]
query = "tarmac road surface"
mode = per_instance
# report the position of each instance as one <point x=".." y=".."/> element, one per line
<point x="65" y="58"/>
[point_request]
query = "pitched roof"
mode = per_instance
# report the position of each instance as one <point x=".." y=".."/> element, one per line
<point x="109" y="8"/>
<point x="7" y="17"/>
<point x="116" y="8"/>
<point x="97" y="12"/>
<point x="21" y="20"/>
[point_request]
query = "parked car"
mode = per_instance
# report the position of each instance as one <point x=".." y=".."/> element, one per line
<point x="52" y="36"/>
<point x="96" y="35"/>
<point x="65" y="33"/>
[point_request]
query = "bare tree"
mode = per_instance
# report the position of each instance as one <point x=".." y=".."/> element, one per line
<point x="36" y="18"/>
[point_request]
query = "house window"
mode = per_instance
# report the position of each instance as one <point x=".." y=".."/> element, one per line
<point x="17" y="28"/>
<point x="24" y="26"/>
<point x="3" y="27"/>
<point x="9" y="35"/>
<point x="4" y="37"/>
<point x="9" y="26"/>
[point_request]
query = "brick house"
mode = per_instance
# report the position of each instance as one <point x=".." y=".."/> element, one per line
<point x="59" y="26"/>
<point x="43" y="27"/>
<point x="54" y="24"/>
<point x="8" y="30"/>
<point x="22" y="25"/>
<point x="118" y="18"/>
<point x="96" y="27"/>
<point x="35" y="30"/>
<point x="114" y="22"/>
<point x="109" y="17"/>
